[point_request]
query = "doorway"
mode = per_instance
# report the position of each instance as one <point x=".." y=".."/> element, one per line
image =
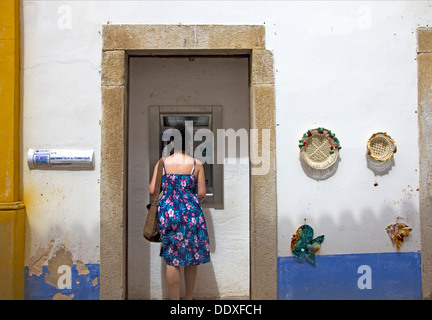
<point x="179" y="86"/>
<point x="123" y="41"/>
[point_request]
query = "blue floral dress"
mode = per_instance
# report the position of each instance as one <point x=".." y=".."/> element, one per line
<point x="182" y="225"/>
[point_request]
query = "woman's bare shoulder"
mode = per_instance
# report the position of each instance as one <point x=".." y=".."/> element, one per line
<point x="179" y="159"/>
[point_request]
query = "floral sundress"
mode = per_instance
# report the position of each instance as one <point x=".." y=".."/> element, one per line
<point x="182" y="225"/>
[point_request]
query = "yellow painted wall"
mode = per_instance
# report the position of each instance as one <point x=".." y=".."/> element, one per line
<point x="12" y="227"/>
<point x="12" y="211"/>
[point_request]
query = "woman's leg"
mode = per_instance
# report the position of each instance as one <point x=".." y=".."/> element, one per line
<point x="190" y="274"/>
<point x="173" y="280"/>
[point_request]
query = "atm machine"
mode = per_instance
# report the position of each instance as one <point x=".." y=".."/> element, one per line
<point x="164" y="118"/>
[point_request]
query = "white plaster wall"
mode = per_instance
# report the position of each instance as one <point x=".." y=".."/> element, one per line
<point x="179" y="81"/>
<point x="351" y="68"/>
<point x="61" y="108"/>
<point x="346" y="65"/>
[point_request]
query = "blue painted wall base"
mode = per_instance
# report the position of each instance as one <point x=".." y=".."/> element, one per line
<point x="367" y="276"/>
<point x="83" y="287"/>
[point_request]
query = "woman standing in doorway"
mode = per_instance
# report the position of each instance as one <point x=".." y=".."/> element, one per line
<point x="182" y="226"/>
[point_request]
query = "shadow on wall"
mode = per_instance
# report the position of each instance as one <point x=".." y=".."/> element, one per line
<point x="319" y="174"/>
<point x="379" y="168"/>
<point x="357" y="259"/>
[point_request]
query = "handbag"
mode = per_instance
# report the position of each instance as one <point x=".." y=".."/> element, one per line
<point x="151" y="227"/>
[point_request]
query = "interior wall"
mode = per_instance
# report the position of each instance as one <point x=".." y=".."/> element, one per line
<point x="189" y="81"/>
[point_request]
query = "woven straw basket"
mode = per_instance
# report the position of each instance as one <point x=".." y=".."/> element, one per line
<point x="381" y="146"/>
<point x="319" y="148"/>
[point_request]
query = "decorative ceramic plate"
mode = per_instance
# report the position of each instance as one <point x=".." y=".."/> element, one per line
<point x="319" y="148"/>
<point x="381" y="146"/>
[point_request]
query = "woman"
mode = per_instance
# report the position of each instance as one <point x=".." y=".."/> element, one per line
<point x="182" y="225"/>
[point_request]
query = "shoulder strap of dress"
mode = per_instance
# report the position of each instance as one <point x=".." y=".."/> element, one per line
<point x="193" y="169"/>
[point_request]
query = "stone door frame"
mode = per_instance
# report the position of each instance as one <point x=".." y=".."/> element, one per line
<point x="424" y="110"/>
<point x="122" y="41"/>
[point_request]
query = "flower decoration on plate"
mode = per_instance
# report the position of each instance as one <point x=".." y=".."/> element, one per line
<point x="319" y="148"/>
<point x="381" y="146"/>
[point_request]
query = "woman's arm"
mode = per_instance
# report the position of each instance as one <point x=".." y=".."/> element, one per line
<point x="201" y="180"/>
<point x="153" y="180"/>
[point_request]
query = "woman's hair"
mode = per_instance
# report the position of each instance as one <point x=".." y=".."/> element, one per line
<point x="184" y="136"/>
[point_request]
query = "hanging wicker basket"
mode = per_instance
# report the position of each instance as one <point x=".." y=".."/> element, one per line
<point x="319" y="148"/>
<point x="381" y="146"/>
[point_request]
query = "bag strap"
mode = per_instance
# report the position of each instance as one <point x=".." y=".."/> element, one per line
<point x="155" y="196"/>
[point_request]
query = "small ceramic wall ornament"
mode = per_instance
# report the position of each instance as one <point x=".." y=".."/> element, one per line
<point x="319" y="148"/>
<point x="303" y="245"/>
<point x="398" y="232"/>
